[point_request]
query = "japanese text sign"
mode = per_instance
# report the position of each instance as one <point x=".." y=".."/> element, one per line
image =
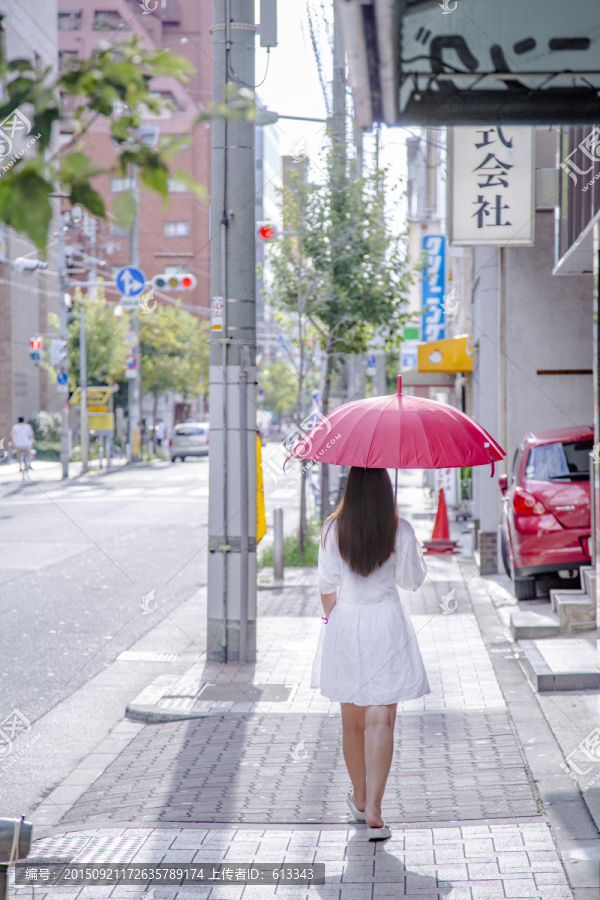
<point x="491" y="185"/>
<point x="433" y="281"/>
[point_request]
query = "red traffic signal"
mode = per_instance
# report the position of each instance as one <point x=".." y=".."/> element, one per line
<point x="266" y="231"/>
<point x="36" y="349"/>
<point x="183" y="282"/>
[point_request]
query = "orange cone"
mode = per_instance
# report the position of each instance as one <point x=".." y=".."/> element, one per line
<point x="440" y="539"/>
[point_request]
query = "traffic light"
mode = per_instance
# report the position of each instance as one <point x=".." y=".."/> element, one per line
<point x="36" y="349"/>
<point x="266" y="231"/>
<point x="182" y="282"/>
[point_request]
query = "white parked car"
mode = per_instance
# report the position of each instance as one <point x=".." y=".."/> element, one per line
<point x="189" y="439"/>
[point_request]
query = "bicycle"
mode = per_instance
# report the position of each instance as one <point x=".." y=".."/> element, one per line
<point x="23" y="459"/>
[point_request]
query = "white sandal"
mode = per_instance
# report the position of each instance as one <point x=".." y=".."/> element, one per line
<point x="379" y="834"/>
<point x="358" y="815"/>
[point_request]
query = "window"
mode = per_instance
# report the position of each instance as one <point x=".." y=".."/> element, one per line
<point x="177" y="229"/>
<point x="189" y="431"/>
<point x="118" y="185"/>
<point x="69" y="20"/>
<point x="176" y="270"/>
<point x="176" y="187"/>
<point x="109" y="21"/>
<point x="560" y="462"/>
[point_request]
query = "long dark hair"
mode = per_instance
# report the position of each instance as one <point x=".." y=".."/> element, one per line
<point x="366" y="520"/>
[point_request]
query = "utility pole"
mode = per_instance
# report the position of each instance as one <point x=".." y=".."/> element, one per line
<point x="134" y="399"/>
<point x="63" y="323"/>
<point x="338" y="141"/>
<point x="83" y="416"/>
<point x="232" y="505"/>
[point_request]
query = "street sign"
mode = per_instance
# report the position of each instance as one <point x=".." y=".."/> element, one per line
<point x="132" y="364"/>
<point x="62" y="377"/>
<point x="216" y="313"/>
<point x="371" y="364"/>
<point x="130" y="302"/>
<point x="433" y="281"/>
<point x="96" y="396"/>
<point x="495" y="62"/>
<point x="131" y="340"/>
<point x="491" y="185"/>
<point x="130" y="282"/>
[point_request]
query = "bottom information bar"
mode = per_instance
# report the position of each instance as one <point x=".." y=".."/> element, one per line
<point x="202" y="873"/>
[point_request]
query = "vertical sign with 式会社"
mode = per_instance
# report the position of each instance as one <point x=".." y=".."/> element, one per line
<point x="491" y="185"/>
<point x="433" y="248"/>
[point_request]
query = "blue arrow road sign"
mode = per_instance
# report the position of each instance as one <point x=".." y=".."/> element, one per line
<point x="130" y="281"/>
<point x="62" y="377"/>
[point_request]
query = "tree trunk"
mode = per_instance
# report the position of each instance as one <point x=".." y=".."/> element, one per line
<point x="302" y="528"/>
<point x="325" y="510"/>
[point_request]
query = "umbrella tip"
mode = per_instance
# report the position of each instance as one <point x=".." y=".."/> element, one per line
<point x="399" y="388"/>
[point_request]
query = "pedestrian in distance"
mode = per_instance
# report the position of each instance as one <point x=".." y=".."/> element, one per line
<point x="23" y="438"/>
<point x="368" y="658"/>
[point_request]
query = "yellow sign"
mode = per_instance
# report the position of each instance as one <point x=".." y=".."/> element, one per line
<point x="96" y="396"/>
<point x="449" y="355"/>
<point x="261" y="519"/>
<point x="101" y="422"/>
<point x="136" y="442"/>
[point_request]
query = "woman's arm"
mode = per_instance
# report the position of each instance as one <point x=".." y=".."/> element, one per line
<point x="328" y="601"/>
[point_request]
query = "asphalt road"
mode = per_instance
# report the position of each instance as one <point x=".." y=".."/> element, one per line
<point x="77" y="559"/>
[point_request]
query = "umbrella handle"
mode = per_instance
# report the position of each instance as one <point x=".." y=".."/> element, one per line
<point x="492" y="464"/>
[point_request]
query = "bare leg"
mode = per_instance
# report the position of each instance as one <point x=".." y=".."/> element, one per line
<point x="353" y="744"/>
<point x="379" y="746"/>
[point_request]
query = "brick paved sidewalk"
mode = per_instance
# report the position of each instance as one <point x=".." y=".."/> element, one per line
<point x="263" y="780"/>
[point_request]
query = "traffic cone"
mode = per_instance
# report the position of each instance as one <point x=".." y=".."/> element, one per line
<point x="440" y="539"/>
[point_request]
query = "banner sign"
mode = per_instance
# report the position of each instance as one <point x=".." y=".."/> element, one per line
<point x="433" y="281"/>
<point x="464" y="62"/>
<point x="491" y="185"/>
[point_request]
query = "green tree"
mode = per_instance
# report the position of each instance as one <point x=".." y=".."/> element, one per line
<point x="364" y="267"/>
<point x="294" y="293"/>
<point x="174" y="353"/>
<point x="113" y="85"/>
<point x="341" y="267"/>
<point x="279" y="385"/>
<point x="104" y="333"/>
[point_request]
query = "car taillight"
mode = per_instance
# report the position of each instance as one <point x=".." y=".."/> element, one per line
<point x="170" y="442"/>
<point x="526" y="504"/>
<point x="207" y="439"/>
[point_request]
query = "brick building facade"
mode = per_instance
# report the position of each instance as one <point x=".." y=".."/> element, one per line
<point x="28" y="31"/>
<point x="174" y="237"/>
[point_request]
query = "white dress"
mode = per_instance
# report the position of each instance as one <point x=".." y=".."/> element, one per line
<point x="368" y="652"/>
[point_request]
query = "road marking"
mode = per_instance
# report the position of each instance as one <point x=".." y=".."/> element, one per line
<point x="146" y="656"/>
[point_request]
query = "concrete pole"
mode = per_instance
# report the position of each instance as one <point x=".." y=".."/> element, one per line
<point x="63" y="319"/>
<point x="134" y="399"/>
<point x="233" y="280"/>
<point x="338" y="140"/>
<point x="83" y="416"/>
<point x="278" y="554"/>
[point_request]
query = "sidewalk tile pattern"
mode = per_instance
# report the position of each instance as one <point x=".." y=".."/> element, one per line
<point x="289" y="768"/>
<point x="469" y="862"/>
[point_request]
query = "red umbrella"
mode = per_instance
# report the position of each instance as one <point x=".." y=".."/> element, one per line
<point x="398" y="432"/>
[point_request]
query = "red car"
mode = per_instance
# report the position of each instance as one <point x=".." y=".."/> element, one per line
<point x="546" y="507"/>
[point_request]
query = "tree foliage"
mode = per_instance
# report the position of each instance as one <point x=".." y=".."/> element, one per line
<point x="174" y="352"/>
<point x="112" y="84"/>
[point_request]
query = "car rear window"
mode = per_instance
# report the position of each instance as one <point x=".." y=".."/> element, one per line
<point x="569" y="461"/>
<point x="190" y="431"/>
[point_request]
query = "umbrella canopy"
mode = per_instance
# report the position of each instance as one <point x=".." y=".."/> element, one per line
<point x="398" y="432"/>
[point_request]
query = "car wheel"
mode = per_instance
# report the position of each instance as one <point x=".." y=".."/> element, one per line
<point x="182" y="458"/>
<point x="173" y="458"/>
<point x="505" y="560"/>
<point x="524" y="588"/>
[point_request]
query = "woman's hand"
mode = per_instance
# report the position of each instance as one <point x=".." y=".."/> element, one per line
<point x="328" y="601"/>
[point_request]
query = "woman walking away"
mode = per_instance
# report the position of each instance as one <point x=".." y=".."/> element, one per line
<point x="370" y="657"/>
